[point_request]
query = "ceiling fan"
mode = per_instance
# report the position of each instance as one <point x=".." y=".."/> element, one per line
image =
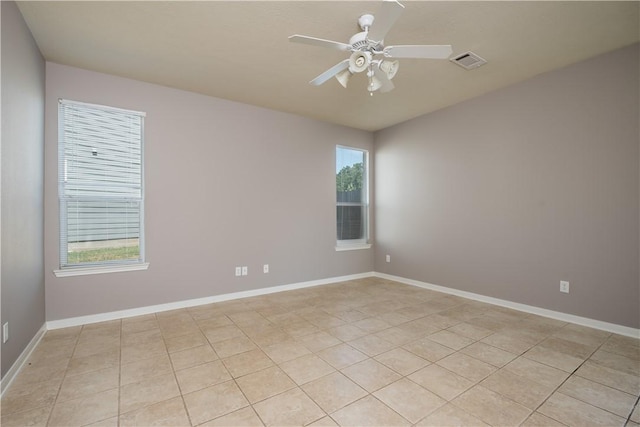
<point x="368" y="52"/>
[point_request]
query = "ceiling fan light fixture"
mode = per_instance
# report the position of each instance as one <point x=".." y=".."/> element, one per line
<point x="359" y="61"/>
<point x="390" y="68"/>
<point x="343" y="77"/>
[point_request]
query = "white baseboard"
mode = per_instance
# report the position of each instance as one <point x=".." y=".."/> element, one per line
<point x="584" y="321"/>
<point x="121" y="314"/>
<point x="17" y="365"/>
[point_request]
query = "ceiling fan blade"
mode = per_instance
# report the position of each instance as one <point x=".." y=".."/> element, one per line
<point x="387" y="85"/>
<point x="442" y="51"/>
<point x="296" y="38"/>
<point x="340" y="66"/>
<point x="384" y="20"/>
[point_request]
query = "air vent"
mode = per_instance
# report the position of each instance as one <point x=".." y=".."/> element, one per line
<point x="468" y="60"/>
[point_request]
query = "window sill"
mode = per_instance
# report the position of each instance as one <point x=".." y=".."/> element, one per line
<point x="353" y="247"/>
<point x="83" y="271"/>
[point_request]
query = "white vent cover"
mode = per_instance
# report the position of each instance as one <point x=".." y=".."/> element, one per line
<point x="468" y="60"/>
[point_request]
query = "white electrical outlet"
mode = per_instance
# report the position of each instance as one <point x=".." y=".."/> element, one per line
<point x="388" y="258"/>
<point x="238" y="271"/>
<point x="265" y="268"/>
<point x="245" y="270"/>
<point x="5" y="332"/>
<point x="564" y="286"/>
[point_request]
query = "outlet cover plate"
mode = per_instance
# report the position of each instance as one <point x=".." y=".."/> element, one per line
<point x="564" y="286"/>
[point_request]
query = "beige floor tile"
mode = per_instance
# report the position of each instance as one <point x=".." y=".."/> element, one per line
<point x="578" y="350"/>
<point x="184" y="342"/>
<point x="427" y="349"/>
<point x="616" y="361"/>
<point x="233" y="346"/>
<point x="245" y="417"/>
<point x="553" y="358"/>
<point x="368" y="411"/>
<point x="371" y="375"/>
<point x="168" y="413"/>
<point x="624" y="346"/>
<point x="371" y="345"/>
<point x="471" y="331"/>
<point x="269" y="336"/>
<point x="574" y="412"/>
<point x="319" y="341"/>
<point x="143" y="369"/>
<point x="635" y="415"/>
<point x="148" y="336"/>
<point x="582" y="334"/>
<point x="263" y="384"/>
<point x="441" y="381"/>
<point x="174" y="329"/>
<point x="402" y="361"/>
<point x="397" y="336"/>
<point x="347" y="332"/>
<point x="33" y="418"/>
<point x="19" y="399"/>
<point x="89" y="383"/>
<point x="140" y="351"/>
<point x="466" y="366"/>
<point x="535" y="371"/>
<point x="299" y="329"/>
<point x="491" y="407"/>
<point x="324" y="422"/>
<point x="538" y="420"/>
<point x="341" y="356"/>
<point x="371" y="325"/>
<point x="607" y="398"/>
<point x="333" y="391"/>
<point x="246" y="363"/>
<point x="223" y="333"/>
<point x="394" y="318"/>
<point x="213" y="402"/>
<point x="507" y="343"/>
<point x="85" y="410"/>
<point x="88" y="347"/>
<point x="489" y="354"/>
<point x="213" y="321"/>
<point x="94" y="362"/>
<point x="147" y="392"/>
<point x="409" y="399"/>
<point x="451" y="339"/>
<point x="37" y="371"/>
<point x="450" y="415"/>
<point x="290" y="408"/>
<point x="306" y="368"/>
<point x="280" y="353"/>
<point x="193" y="357"/>
<point x="519" y="389"/>
<point x="202" y="376"/>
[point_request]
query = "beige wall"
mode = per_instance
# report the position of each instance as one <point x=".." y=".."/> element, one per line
<point x="509" y="193"/>
<point x="22" y="281"/>
<point x="227" y="185"/>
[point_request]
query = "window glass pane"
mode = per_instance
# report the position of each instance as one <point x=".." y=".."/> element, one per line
<point x="351" y="222"/>
<point x="351" y="194"/>
<point x="99" y="231"/>
<point x="100" y="184"/>
<point x="350" y="175"/>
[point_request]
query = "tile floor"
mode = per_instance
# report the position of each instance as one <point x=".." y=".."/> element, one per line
<point x="361" y="353"/>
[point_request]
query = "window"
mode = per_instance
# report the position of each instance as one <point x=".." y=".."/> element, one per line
<point x="100" y="186"/>
<point x="352" y="198"/>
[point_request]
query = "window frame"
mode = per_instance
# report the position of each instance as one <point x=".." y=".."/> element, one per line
<point x="99" y="267"/>
<point x="364" y="242"/>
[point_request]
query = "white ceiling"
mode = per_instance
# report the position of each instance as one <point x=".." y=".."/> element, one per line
<point x="238" y="50"/>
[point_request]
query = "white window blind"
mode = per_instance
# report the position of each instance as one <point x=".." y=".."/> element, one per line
<point x="100" y="185"/>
